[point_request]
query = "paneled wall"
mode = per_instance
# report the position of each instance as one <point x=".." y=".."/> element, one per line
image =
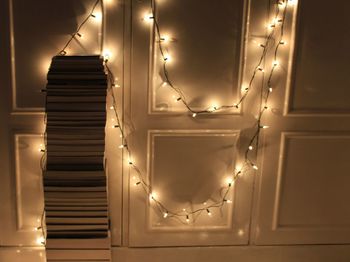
<point x="296" y="200"/>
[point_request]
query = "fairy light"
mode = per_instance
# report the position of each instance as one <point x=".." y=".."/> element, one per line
<point x="40" y="240"/>
<point x="208" y="212"/>
<point x="148" y="17"/>
<point x="163" y="39"/>
<point x="107" y="55"/>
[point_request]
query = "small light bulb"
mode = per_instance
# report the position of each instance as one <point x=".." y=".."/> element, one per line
<point x="205" y="203"/>
<point x="275" y="63"/>
<point x="229" y="181"/>
<point x="165" y="214"/>
<point x="122" y="146"/>
<point x="264" y="127"/>
<point x="97" y="16"/>
<point x="167" y="58"/>
<point x="270" y="89"/>
<point x="40" y="240"/>
<point x="111" y="107"/>
<point x="261" y="45"/>
<point x="228" y="201"/>
<point x="194" y="114"/>
<point x="148" y="17"/>
<point x="208" y="212"/>
<point x="153" y="196"/>
<point x="282" y="42"/>
<point x="115" y="126"/>
<point x="250" y="147"/>
<point x="260" y="69"/>
<point x="254" y="166"/>
<point x="165" y="38"/>
<point x="137" y="183"/>
<point x="187" y="219"/>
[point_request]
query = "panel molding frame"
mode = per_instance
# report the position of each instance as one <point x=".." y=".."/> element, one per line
<point x="288" y="110"/>
<point x="244" y="39"/>
<point x="152" y="133"/>
<point x="18" y="185"/>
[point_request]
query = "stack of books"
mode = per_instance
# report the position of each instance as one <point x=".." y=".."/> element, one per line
<point x="75" y="186"/>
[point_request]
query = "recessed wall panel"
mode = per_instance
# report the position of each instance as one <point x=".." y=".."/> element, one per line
<point x="29" y="191"/>
<point x="205" y="53"/>
<point x="320" y="78"/>
<point x="314" y="181"/>
<point x="39" y="30"/>
<point x="188" y="170"/>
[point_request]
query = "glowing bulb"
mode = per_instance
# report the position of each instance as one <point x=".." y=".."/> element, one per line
<point x="107" y="55"/>
<point x="228" y="201"/>
<point x="40" y="240"/>
<point x="137" y="183"/>
<point x="122" y="146"/>
<point x="261" y="45"/>
<point x="187" y="219"/>
<point x="264" y="127"/>
<point x="208" y="212"/>
<point x="165" y="214"/>
<point x="148" y="17"/>
<point x="275" y="63"/>
<point x="165" y="84"/>
<point x="167" y="58"/>
<point x="245" y="88"/>
<point x="270" y="89"/>
<point x="115" y="126"/>
<point x="97" y="16"/>
<point x="254" y="166"/>
<point x="250" y="147"/>
<point x="111" y="107"/>
<point x="130" y="162"/>
<point x="165" y="38"/>
<point x="205" y="203"/>
<point x="116" y="85"/>
<point x="153" y="196"/>
<point x="194" y="114"/>
<point x="282" y="42"/>
<point x="229" y="181"/>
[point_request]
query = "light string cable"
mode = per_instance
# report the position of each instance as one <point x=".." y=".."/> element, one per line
<point x="248" y="163"/>
<point x="180" y="215"/>
<point x="181" y="96"/>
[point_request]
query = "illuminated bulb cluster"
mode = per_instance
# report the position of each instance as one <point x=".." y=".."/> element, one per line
<point x="275" y="24"/>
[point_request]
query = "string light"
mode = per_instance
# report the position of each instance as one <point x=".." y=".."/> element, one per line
<point x="208" y="212"/>
<point x="163" y="39"/>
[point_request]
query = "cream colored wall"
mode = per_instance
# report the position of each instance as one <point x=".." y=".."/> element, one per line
<point x="297" y="199"/>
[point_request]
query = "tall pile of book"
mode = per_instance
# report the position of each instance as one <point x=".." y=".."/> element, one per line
<point x="75" y="185"/>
